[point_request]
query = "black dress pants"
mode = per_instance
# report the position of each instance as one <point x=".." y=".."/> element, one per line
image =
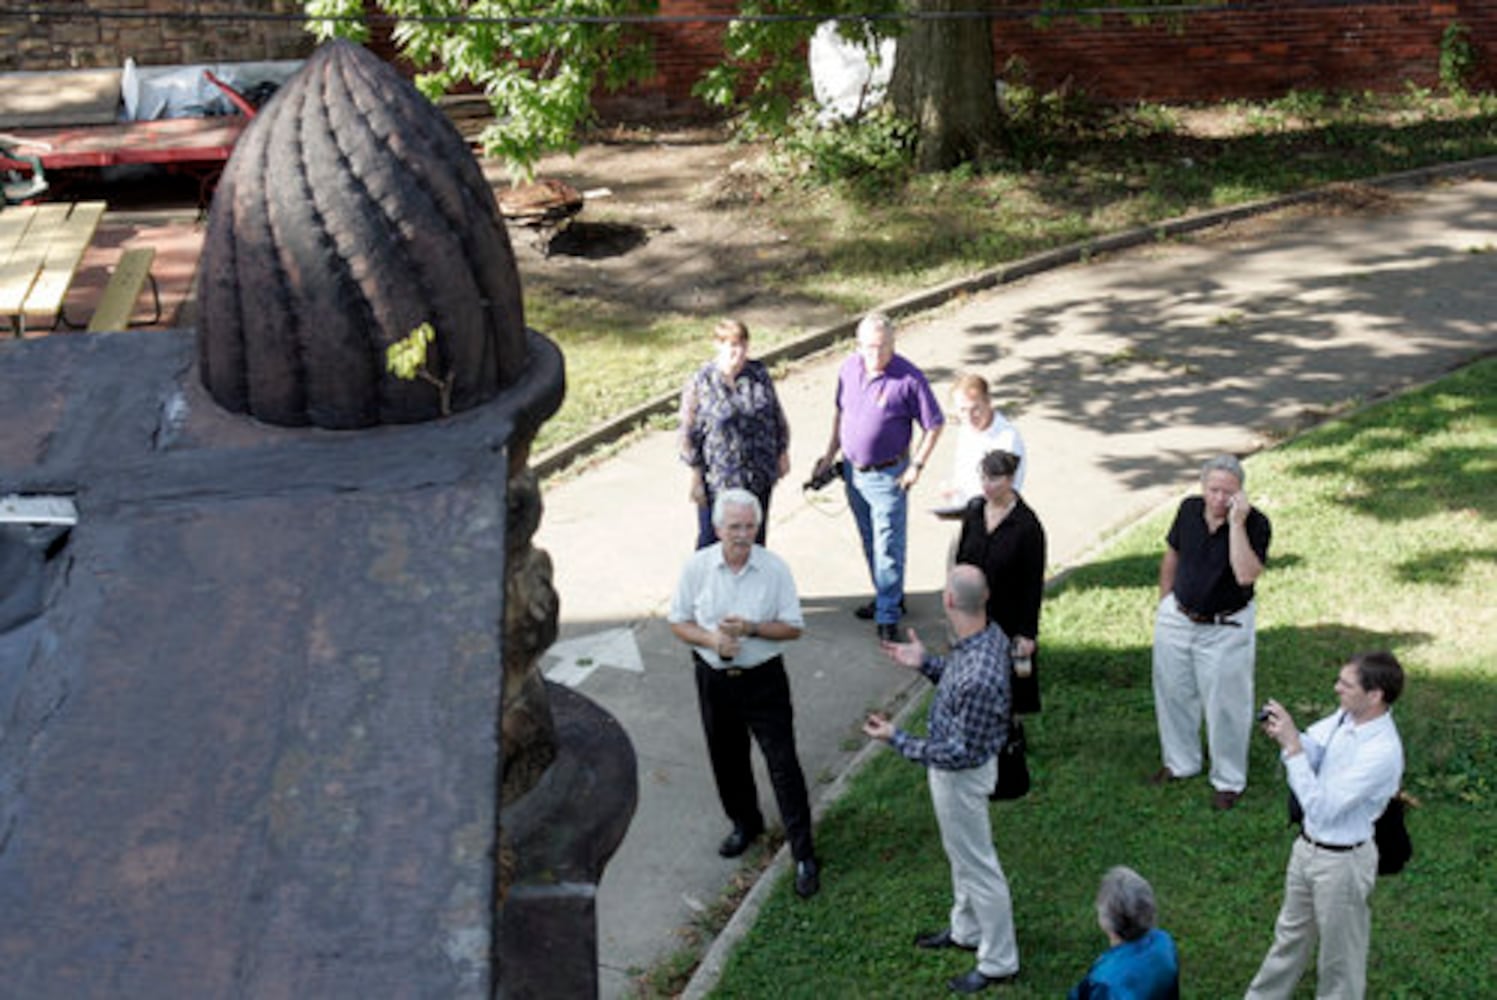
<point x="734" y="704"/>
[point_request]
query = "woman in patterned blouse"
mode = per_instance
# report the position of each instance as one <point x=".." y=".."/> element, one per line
<point x="733" y="430"/>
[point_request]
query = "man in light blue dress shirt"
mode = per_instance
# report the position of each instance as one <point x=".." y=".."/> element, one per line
<point x="1344" y="770"/>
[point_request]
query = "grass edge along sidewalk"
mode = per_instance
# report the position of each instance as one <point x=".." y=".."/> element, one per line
<point x="1385" y="535"/>
<point x="560" y="458"/>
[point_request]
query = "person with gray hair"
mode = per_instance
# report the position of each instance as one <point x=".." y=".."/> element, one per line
<point x="881" y="396"/>
<point x="1142" y="963"/>
<point x="1205" y="631"/>
<point x="736" y="606"/>
<point x="968" y="725"/>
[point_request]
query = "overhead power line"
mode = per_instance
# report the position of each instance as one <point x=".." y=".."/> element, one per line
<point x="1006" y="13"/>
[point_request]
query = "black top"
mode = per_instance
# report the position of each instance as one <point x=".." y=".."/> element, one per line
<point x="1203" y="581"/>
<point x="1012" y="557"/>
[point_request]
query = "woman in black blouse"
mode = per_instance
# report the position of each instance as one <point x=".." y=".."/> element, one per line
<point x="1001" y="535"/>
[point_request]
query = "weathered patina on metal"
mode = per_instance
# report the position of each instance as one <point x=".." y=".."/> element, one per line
<point x="350" y="213"/>
<point x="270" y="718"/>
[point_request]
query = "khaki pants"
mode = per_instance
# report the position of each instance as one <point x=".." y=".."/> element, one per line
<point x="1325" y="897"/>
<point x="982" y="912"/>
<point x="1205" y="671"/>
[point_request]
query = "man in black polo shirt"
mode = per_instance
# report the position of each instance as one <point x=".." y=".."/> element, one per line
<point x="1205" y="638"/>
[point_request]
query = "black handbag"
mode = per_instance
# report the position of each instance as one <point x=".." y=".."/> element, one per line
<point x="1394" y="845"/>
<point x="1013" y="765"/>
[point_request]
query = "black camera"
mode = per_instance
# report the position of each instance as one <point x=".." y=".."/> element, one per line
<point x="822" y="475"/>
<point x="1263" y="714"/>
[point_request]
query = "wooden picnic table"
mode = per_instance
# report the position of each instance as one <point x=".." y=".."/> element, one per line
<point x="41" y="247"/>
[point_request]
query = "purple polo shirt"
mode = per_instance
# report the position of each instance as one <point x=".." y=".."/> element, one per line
<point x="876" y="415"/>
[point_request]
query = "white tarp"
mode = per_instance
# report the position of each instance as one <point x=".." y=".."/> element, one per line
<point x="151" y="92"/>
<point x="844" y="78"/>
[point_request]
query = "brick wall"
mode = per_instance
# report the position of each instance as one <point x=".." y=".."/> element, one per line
<point x="1260" y="52"/>
<point x="1260" y="49"/>
<point x="79" y="41"/>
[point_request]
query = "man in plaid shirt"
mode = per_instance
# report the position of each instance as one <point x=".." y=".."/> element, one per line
<point x="968" y="724"/>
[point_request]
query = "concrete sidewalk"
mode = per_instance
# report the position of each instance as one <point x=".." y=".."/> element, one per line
<point x="1122" y="374"/>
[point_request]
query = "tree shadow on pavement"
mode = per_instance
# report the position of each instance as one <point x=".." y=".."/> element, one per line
<point x="1158" y="347"/>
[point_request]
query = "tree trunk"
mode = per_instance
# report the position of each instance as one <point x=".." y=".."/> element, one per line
<point x="943" y="82"/>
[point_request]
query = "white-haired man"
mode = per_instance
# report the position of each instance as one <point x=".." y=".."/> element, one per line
<point x="881" y="395"/>
<point x="736" y="606"/>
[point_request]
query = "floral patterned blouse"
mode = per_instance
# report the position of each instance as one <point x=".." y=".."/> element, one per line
<point x="733" y="431"/>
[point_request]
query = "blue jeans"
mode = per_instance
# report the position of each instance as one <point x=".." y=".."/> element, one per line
<point x="881" y="509"/>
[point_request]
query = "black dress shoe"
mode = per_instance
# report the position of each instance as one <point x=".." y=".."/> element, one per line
<point x="867" y="611"/>
<point x="888" y="632"/>
<point x="941" y="939"/>
<point x="807" y="878"/>
<point x="738" y="841"/>
<point x="976" y="982"/>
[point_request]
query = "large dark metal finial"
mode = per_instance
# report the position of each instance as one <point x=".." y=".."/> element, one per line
<point x="351" y="213"/>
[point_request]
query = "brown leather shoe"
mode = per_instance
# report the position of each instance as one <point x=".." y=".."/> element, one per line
<point x="1223" y="800"/>
<point x="1163" y="776"/>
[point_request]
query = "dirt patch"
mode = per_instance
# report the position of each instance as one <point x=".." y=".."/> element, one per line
<point x="668" y="226"/>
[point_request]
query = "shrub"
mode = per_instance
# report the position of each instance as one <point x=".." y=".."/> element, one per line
<point x="872" y="153"/>
<point x="1457" y="58"/>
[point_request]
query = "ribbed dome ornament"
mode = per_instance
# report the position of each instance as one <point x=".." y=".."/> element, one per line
<point x="351" y="213"/>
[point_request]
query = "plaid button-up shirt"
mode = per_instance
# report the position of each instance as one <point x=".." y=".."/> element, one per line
<point x="969" y="716"/>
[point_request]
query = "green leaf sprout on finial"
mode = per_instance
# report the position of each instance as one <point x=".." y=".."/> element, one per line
<point x="406" y="360"/>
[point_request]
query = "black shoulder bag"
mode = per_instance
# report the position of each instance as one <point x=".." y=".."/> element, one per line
<point x="1394" y="846"/>
<point x="1013" y="765"/>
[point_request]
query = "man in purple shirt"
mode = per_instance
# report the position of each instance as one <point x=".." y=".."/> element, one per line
<point x="880" y="397"/>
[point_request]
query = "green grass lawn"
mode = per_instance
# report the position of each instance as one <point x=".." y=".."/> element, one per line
<point x="1385" y="534"/>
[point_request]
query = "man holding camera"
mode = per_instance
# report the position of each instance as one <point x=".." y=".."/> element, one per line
<point x="1205" y="631"/>
<point x="880" y="397"/>
<point x="1344" y="770"/>
<point x="736" y="606"/>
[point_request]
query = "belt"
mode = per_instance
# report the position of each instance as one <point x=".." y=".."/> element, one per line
<point x="876" y="466"/>
<point x="728" y="670"/>
<point x="1212" y="618"/>
<point x="1337" y="848"/>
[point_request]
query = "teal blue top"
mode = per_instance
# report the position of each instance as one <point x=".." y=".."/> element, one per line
<point x="1146" y="968"/>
